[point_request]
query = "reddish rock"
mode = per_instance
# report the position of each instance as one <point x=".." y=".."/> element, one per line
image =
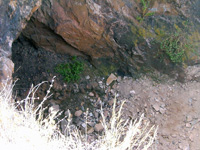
<point x="116" y="33"/>
<point x="110" y="79"/>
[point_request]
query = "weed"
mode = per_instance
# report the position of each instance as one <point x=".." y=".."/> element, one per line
<point x="175" y="48"/>
<point x="145" y="5"/>
<point x="70" y="71"/>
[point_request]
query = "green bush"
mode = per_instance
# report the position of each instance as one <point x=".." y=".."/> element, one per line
<point x="144" y="10"/>
<point x="175" y="47"/>
<point x="70" y="71"/>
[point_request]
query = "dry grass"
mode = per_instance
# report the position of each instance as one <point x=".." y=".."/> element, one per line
<point x="22" y="126"/>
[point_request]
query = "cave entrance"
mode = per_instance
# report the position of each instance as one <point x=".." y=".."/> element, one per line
<point x="34" y="65"/>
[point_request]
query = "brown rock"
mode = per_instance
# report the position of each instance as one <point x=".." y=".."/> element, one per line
<point x="78" y="113"/>
<point x="90" y="130"/>
<point x="111" y="102"/>
<point x="110" y="79"/>
<point x="98" y="127"/>
<point x="109" y="29"/>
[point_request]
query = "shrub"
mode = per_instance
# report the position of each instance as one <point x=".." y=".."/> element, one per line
<point x="175" y="47"/>
<point x="144" y="10"/>
<point x="70" y="71"/>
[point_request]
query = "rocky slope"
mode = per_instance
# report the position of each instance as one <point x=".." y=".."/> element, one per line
<point x="123" y="34"/>
<point x="171" y="105"/>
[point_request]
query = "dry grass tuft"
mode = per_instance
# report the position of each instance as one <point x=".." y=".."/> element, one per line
<point x="23" y="126"/>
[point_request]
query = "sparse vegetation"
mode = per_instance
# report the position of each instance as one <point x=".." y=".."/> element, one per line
<point x="23" y="126"/>
<point x="70" y="71"/>
<point x="175" y="47"/>
<point x="144" y="10"/>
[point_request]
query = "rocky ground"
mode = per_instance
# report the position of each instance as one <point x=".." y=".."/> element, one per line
<point x="171" y="105"/>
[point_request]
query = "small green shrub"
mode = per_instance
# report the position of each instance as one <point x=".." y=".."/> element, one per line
<point x="70" y="71"/>
<point x="145" y="5"/>
<point x="176" y="47"/>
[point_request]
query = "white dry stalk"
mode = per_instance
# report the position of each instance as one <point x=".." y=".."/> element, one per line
<point x="26" y="128"/>
<point x="117" y="136"/>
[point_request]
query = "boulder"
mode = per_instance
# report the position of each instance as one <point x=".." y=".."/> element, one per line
<point x="13" y="19"/>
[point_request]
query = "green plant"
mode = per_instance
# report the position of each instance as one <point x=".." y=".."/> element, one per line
<point x="175" y="47"/>
<point x="145" y="5"/>
<point x="70" y="71"/>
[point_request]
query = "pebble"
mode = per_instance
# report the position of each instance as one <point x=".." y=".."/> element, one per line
<point x="78" y="113"/>
<point x="76" y="88"/>
<point x="119" y="78"/>
<point x="96" y="114"/>
<point x="84" y="125"/>
<point x="54" y="109"/>
<point x="90" y="114"/>
<point x="91" y="130"/>
<point x="132" y="92"/>
<point x="91" y="94"/>
<point x="110" y="79"/>
<point x="112" y="91"/>
<point x="111" y="102"/>
<point x="188" y="125"/>
<point x="94" y="84"/>
<point x="98" y="127"/>
<point x="174" y="135"/>
<point x="82" y="90"/>
<point x="87" y="77"/>
<point x="189" y="118"/>
<point x="184" y="145"/>
<point x="162" y="110"/>
<point x="106" y="113"/>
<point x="193" y="135"/>
<point x="156" y="107"/>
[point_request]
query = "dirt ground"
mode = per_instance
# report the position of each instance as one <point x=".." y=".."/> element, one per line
<point x="173" y="106"/>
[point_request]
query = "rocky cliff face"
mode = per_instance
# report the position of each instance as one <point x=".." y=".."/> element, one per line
<point x="126" y="32"/>
<point x="13" y="18"/>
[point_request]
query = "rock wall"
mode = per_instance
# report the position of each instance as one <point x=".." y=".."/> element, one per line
<point x="124" y="32"/>
<point x="13" y="19"/>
